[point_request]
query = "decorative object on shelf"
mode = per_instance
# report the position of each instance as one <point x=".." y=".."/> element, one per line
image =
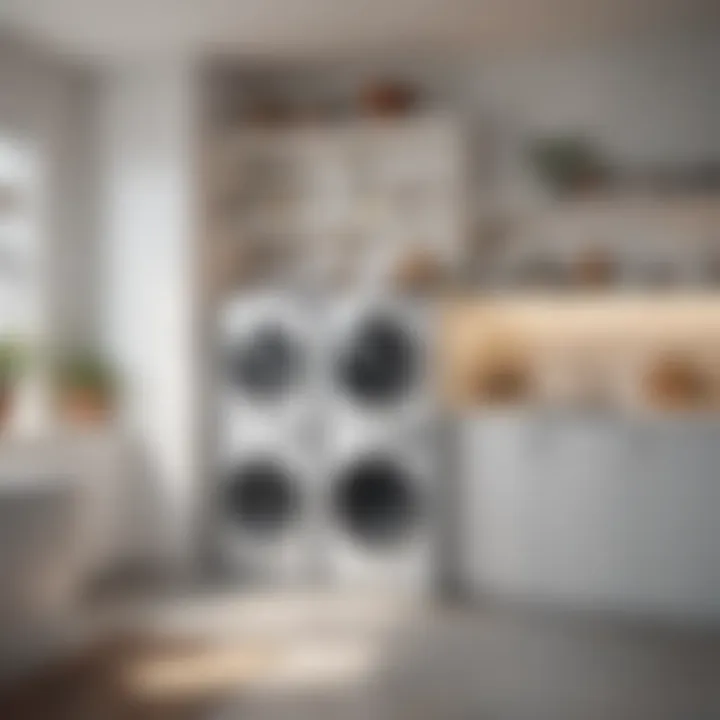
<point x="568" y="165"/>
<point x="418" y="269"/>
<point x="503" y="383"/>
<point x="678" y="381"/>
<point x="595" y="269"/>
<point x="504" y="376"/>
<point x="387" y="98"/>
<point x="13" y="362"/>
<point x="85" y="388"/>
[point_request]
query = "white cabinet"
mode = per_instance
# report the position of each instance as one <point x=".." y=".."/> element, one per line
<point x="500" y="471"/>
<point x="574" y="507"/>
<point x="668" y="532"/>
<point x="594" y="511"/>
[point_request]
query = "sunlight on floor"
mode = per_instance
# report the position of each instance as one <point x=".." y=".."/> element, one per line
<point x="294" y="666"/>
<point x="278" y="643"/>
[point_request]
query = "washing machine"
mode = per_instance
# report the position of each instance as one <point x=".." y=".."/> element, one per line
<point x="379" y="363"/>
<point x="267" y="365"/>
<point x="379" y="513"/>
<point x="382" y="450"/>
<point x="266" y="437"/>
<point x="265" y="504"/>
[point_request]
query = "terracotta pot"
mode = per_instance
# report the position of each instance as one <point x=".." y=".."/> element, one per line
<point x="84" y="408"/>
<point x="505" y="381"/>
<point x="418" y="270"/>
<point x="677" y="383"/>
<point x="387" y="99"/>
<point x="595" y="269"/>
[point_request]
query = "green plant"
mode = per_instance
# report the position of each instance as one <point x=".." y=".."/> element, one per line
<point x="568" y="163"/>
<point x="86" y="371"/>
<point x="13" y="360"/>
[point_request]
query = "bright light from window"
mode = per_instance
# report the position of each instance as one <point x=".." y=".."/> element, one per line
<point x="19" y="268"/>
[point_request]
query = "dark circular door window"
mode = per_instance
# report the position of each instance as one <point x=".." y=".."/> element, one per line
<point x="380" y="363"/>
<point x="267" y="363"/>
<point x="260" y="497"/>
<point x="376" y="500"/>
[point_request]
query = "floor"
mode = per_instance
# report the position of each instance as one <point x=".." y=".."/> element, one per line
<point x="355" y="658"/>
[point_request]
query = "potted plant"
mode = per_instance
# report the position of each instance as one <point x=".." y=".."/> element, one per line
<point x="568" y="164"/>
<point x="85" y="388"/>
<point x="12" y="361"/>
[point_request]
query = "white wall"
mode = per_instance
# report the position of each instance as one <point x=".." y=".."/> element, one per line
<point x="148" y="132"/>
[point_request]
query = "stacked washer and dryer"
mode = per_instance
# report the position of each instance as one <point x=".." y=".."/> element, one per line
<point x="328" y="456"/>
<point x="326" y="443"/>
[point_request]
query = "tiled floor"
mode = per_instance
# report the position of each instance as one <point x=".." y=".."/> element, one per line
<point x="507" y="665"/>
<point x="264" y="659"/>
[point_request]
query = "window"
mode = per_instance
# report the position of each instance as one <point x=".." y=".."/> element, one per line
<point x="21" y="271"/>
<point x="20" y="296"/>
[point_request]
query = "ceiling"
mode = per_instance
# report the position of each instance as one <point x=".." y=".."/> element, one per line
<point x="274" y="28"/>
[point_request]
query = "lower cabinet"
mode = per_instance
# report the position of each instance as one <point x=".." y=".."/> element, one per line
<point x="599" y="512"/>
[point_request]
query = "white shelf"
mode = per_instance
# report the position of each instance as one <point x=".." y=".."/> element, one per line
<point x="392" y="184"/>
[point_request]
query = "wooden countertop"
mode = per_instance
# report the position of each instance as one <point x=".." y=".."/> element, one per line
<point x="549" y="338"/>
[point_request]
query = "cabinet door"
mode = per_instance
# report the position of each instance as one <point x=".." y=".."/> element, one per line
<point x="667" y="530"/>
<point x="585" y="464"/>
<point x="499" y="471"/>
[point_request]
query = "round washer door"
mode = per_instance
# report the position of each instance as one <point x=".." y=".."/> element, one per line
<point x="267" y="363"/>
<point x="380" y="362"/>
<point x="377" y="501"/>
<point x="260" y="497"/>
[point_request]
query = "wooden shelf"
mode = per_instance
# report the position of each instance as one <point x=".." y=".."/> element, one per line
<point x="626" y="332"/>
<point x="367" y="185"/>
<point x="698" y="205"/>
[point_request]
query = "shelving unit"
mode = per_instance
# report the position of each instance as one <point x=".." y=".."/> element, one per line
<point x="653" y="242"/>
<point x="349" y="198"/>
<point x="339" y="203"/>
